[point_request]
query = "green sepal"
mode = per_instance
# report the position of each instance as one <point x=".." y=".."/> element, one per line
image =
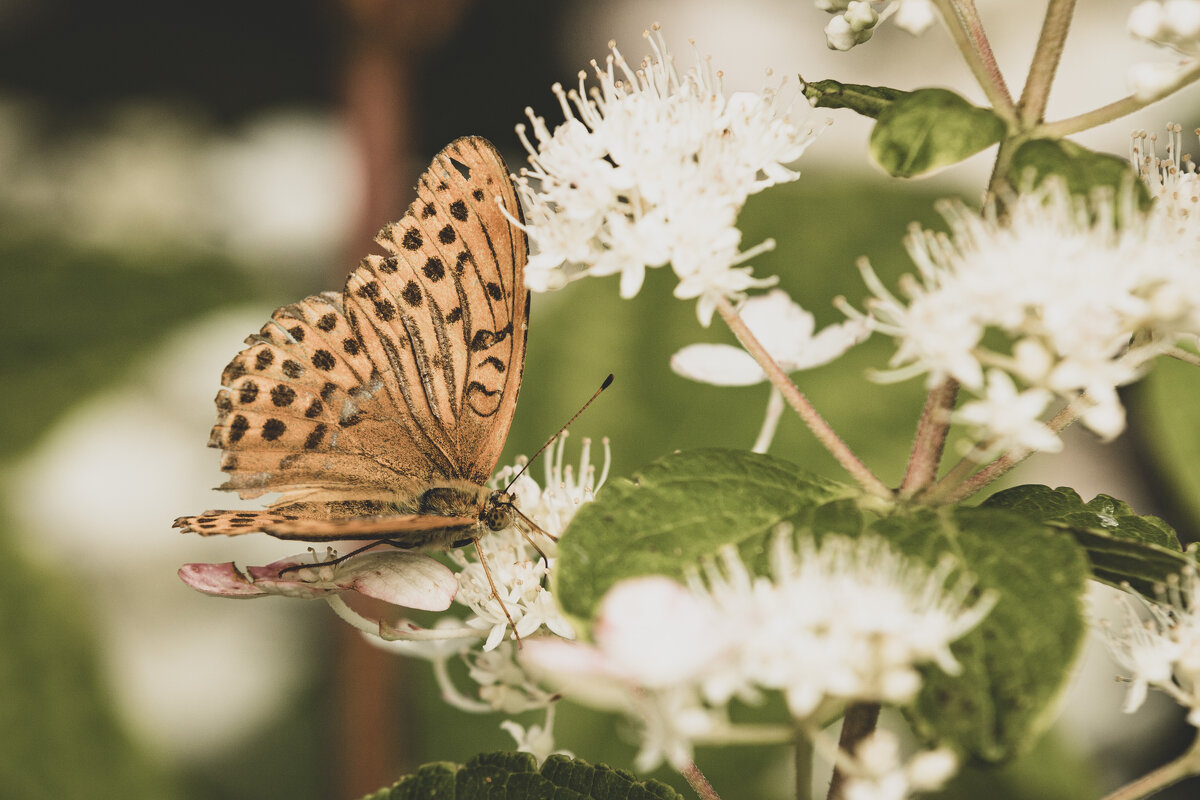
<point x="1122" y="547"/>
<point x="929" y="129"/>
<point x="1016" y="662"/>
<point x="684" y="508"/>
<point x="870" y="101"/>
<point x="515" y="776"/>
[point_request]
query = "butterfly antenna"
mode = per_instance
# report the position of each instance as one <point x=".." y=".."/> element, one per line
<point x="607" y="382"/>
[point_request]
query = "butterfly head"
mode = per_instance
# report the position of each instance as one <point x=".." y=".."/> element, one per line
<point x="498" y="511"/>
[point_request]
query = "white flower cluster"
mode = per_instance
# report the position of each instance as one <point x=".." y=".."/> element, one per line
<point x="848" y="620"/>
<point x="649" y="168"/>
<point x="1082" y="294"/>
<point x="519" y="571"/>
<point x="517" y="568"/>
<point x="1174" y="24"/>
<point x="878" y="773"/>
<point x="1163" y="651"/>
<point x="854" y="21"/>
<point x="1171" y="180"/>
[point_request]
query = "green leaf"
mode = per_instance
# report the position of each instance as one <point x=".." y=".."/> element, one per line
<point x="515" y="776"/>
<point x="929" y="129"/>
<point x="1082" y="169"/>
<point x="870" y="101"/>
<point x="1016" y="661"/>
<point x="1122" y="546"/>
<point x="680" y="509"/>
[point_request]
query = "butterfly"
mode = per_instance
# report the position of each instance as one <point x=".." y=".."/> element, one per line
<point x="379" y="413"/>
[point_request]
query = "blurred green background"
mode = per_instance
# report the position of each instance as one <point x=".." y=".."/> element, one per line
<point x="171" y="174"/>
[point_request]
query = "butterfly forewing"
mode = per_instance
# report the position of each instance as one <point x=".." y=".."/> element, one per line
<point x="407" y="379"/>
<point x="445" y="313"/>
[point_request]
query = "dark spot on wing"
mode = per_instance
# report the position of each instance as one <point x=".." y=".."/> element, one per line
<point x="324" y="360"/>
<point x="282" y="396"/>
<point x="434" y="269"/>
<point x="385" y="310"/>
<point x="447" y="235"/>
<point x="272" y="429"/>
<point x="458" y="210"/>
<point x="292" y="369"/>
<point x="314" y="438"/>
<point x="412" y="239"/>
<point x="264" y="358"/>
<point x="247" y="392"/>
<point x="412" y="294"/>
<point x="327" y="322"/>
<point x="238" y="428"/>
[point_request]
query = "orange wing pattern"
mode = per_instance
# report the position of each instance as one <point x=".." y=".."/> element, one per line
<point x="408" y="377"/>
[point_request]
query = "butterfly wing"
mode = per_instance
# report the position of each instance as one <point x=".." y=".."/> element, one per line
<point x="444" y="316"/>
<point x="416" y="530"/>
<point x="408" y="377"/>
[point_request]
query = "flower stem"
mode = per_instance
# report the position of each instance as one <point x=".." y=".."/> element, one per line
<point x="799" y="403"/>
<point x="698" y="782"/>
<point x="1116" y="109"/>
<point x="770" y="422"/>
<point x="955" y="486"/>
<point x="803" y="759"/>
<point x="962" y="20"/>
<point x="1185" y="766"/>
<point x="1045" y="60"/>
<point x="930" y="439"/>
<point x="858" y="724"/>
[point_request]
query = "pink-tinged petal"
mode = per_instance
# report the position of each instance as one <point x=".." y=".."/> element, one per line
<point x="222" y="580"/>
<point x="310" y="582"/>
<point x="404" y="579"/>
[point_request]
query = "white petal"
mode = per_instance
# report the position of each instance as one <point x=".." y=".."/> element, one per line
<point x="831" y="342"/>
<point x="411" y="580"/>
<point x="718" y="364"/>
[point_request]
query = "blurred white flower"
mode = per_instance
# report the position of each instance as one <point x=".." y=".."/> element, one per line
<point x="1081" y="304"/>
<point x="845" y="621"/>
<point x="855" y="21"/>
<point x="784" y="328"/>
<point x="1010" y="417"/>
<point x="878" y="772"/>
<point x="1159" y="644"/>
<point x="652" y="167"/>
<point x="1174" y="24"/>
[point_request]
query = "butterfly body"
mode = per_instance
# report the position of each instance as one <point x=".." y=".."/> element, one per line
<point x="379" y="413"/>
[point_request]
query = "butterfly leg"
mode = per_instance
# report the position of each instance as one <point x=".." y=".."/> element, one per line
<point x="495" y="593"/>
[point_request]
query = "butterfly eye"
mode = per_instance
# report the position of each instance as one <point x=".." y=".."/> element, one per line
<point x="498" y="519"/>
